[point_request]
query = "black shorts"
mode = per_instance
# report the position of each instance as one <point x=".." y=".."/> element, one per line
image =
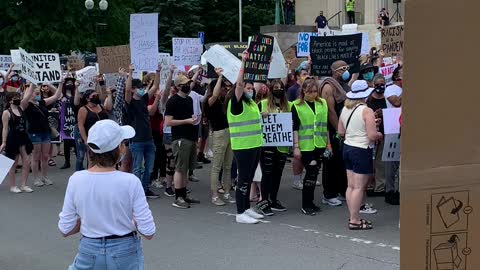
<point x="358" y="160"/>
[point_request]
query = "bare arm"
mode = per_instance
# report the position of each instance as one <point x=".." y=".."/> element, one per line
<point x="217" y="88"/>
<point x="152" y="109"/>
<point x="82" y="114"/>
<point x="166" y="91"/>
<point x="128" y="87"/>
<point x="78" y="96"/>
<point x="395" y="101"/>
<point x="327" y="94"/>
<point x="5" y="119"/>
<point x="156" y="83"/>
<point x="341" y="128"/>
<point x="240" y="82"/>
<point x="26" y="97"/>
<point x="169" y="121"/>
<point x="56" y="96"/>
<point x="108" y="104"/>
<point x="9" y="71"/>
<point x="195" y="76"/>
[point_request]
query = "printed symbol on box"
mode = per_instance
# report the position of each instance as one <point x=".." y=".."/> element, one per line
<point x="447" y="256"/>
<point x="449" y="210"/>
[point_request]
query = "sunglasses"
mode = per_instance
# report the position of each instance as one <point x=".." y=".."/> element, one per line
<point x="344" y="68"/>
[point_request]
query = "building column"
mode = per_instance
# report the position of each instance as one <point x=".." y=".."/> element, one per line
<point x="334" y="6"/>
<point x="372" y="7"/>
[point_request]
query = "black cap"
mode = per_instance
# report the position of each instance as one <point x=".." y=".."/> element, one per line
<point x="366" y="66"/>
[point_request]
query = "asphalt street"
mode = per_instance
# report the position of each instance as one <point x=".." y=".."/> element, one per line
<point x="206" y="236"/>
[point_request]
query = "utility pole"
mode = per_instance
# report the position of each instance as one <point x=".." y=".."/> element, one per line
<point x="240" y="19"/>
<point x="277" y="11"/>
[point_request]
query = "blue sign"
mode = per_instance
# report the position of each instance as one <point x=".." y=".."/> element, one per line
<point x="201" y="36"/>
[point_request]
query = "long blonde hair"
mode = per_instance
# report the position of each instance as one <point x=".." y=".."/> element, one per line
<point x="309" y="83"/>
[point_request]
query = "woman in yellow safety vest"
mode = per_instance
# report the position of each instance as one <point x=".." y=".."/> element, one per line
<point x="310" y="138"/>
<point x="246" y="139"/>
<point x="272" y="159"/>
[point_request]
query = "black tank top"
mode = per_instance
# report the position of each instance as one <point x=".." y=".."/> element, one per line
<point x="93" y="117"/>
<point x="17" y="124"/>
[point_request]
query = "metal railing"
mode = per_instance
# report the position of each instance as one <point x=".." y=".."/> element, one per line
<point x="338" y="16"/>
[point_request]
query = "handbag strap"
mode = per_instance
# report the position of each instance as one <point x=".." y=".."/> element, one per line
<point x="350" y="118"/>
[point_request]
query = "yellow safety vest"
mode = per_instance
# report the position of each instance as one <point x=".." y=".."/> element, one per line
<point x="350" y="5"/>
<point x="264" y="102"/>
<point x="313" y="127"/>
<point x="245" y="128"/>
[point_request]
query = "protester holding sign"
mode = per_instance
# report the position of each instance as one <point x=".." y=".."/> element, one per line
<point x="357" y="126"/>
<point x="15" y="141"/>
<point x="246" y="138"/>
<point x="68" y="119"/>
<point x="39" y="130"/>
<point x="272" y="159"/>
<point x="310" y="139"/>
<point x="393" y="93"/>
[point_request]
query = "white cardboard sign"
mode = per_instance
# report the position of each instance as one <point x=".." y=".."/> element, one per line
<point x="277" y="129"/>
<point x="5" y="166"/>
<point x="86" y="78"/>
<point x="220" y="57"/>
<point x="278" y="66"/>
<point x="187" y="51"/>
<point x="47" y="67"/>
<point x="144" y="41"/>
<point x="28" y="67"/>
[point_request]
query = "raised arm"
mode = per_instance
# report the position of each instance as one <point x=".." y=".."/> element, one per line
<point x="166" y="91"/>
<point x="156" y="82"/>
<point x="240" y="82"/>
<point x="78" y="96"/>
<point x="128" y="88"/>
<point x="108" y="104"/>
<point x="9" y="71"/>
<point x="195" y="76"/>
<point x="56" y="96"/>
<point x="152" y="109"/>
<point x="27" y="96"/>
<point x="217" y="88"/>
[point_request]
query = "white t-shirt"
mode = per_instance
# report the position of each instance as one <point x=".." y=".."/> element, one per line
<point x="197" y="108"/>
<point x="392" y="90"/>
<point x="107" y="204"/>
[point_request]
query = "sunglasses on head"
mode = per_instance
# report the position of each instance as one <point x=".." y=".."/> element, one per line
<point x="344" y="68"/>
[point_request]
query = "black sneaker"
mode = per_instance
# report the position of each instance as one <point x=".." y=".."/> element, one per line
<point x="308" y="211"/>
<point x="277" y="206"/>
<point x="169" y="192"/>
<point x="264" y="208"/>
<point x="316" y="208"/>
<point x="150" y="195"/>
<point x="201" y="158"/>
<point x="191" y="201"/>
<point x="180" y="203"/>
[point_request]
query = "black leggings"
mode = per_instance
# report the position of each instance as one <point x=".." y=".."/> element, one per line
<point x="272" y="163"/>
<point x="311" y="175"/>
<point x="67" y="145"/>
<point x="247" y="162"/>
<point x="159" y="164"/>
<point x="334" y="175"/>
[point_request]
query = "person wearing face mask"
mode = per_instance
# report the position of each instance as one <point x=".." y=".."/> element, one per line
<point x="215" y="111"/>
<point x="310" y="139"/>
<point x="39" y="131"/>
<point x="15" y="141"/>
<point x="393" y="93"/>
<point x="246" y="139"/>
<point x="367" y="72"/>
<point x="68" y="119"/>
<point x="88" y="115"/>
<point x="107" y="207"/>
<point x="179" y="115"/>
<point x="142" y="146"/>
<point x="333" y="90"/>
<point x="272" y="159"/>
<point x="15" y="80"/>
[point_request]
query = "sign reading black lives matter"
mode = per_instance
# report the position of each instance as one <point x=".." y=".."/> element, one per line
<point x="258" y="61"/>
<point x="277" y="129"/>
<point x="326" y="50"/>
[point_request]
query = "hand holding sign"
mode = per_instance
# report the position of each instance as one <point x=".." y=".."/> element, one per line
<point x="219" y="72"/>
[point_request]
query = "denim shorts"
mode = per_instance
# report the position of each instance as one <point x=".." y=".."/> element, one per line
<point x="167" y="138"/>
<point x="358" y="160"/>
<point x="39" y="138"/>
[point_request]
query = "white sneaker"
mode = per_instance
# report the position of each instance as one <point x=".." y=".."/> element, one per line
<point x="297" y="185"/>
<point x="26" y="189"/>
<point x="157" y="184"/>
<point x="47" y="181"/>
<point x="217" y="201"/>
<point x="38" y="183"/>
<point x="245" y="219"/>
<point x="341" y="198"/>
<point x="332" y="201"/>
<point x="210" y="153"/>
<point x="253" y="214"/>
<point x="15" y="189"/>
<point x="228" y="198"/>
<point x="367" y="209"/>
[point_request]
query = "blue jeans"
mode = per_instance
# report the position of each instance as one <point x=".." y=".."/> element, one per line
<point x="143" y="157"/>
<point x="98" y="254"/>
<point x="81" y="149"/>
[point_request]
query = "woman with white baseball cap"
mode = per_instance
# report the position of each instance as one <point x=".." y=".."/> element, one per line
<point x="106" y="206"/>
<point x="357" y="126"/>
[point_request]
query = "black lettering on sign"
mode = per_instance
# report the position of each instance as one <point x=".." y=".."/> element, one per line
<point x="258" y="60"/>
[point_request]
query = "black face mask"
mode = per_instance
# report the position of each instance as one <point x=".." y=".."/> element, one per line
<point x="380" y="89"/>
<point x="69" y="87"/>
<point x="95" y="100"/>
<point x="16" y="102"/>
<point x="185" y="89"/>
<point x="278" y="93"/>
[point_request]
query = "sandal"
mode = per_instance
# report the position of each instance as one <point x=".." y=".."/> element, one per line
<point x="52" y="163"/>
<point x="359" y="227"/>
<point x="364" y="221"/>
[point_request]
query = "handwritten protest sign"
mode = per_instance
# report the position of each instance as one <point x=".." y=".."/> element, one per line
<point x="5" y="61"/>
<point x="326" y="50"/>
<point x="187" y="51"/>
<point x="47" y="67"/>
<point x="278" y="66"/>
<point x="220" y="57"/>
<point x="27" y="67"/>
<point x="111" y="80"/>
<point x="164" y="60"/>
<point x="5" y="166"/>
<point x="277" y="129"/>
<point x="392" y="40"/>
<point x="303" y="43"/>
<point x="391" y="125"/>
<point x="74" y="63"/>
<point x="387" y="72"/>
<point x="86" y="78"/>
<point x="260" y="52"/>
<point x="144" y="41"/>
<point x="110" y="59"/>
<point x="235" y="48"/>
<point x="67" y="120"/>
<point x="16" y="59"/>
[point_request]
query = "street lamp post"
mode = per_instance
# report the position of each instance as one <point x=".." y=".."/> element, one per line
<point x="240" y="19"/>
<point x="100" y="24"/>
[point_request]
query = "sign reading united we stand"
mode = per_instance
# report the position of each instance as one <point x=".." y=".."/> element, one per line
<point x="144" y="41"/>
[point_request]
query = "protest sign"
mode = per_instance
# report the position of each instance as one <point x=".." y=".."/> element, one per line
<point x="47" y="67"/>
<point x="277" y="129"/>
<point x="220" y="57"/>
<point x="235" y="48"/>
<point x="110" y="59"/>
<point x="27" y="67"/>
<point x="74" y="63"/>
<point x="392" y="40"/>
<point x="16" y="59"/>
<point x="111" y="80"/>
<point x="165" y="61"/>
<point x="187" y="51"/>
<point x="257" y="64"/>
<point x="326" y="50"/>
<point x="387" y="72"/>
<point x="391" y="125"/>
<point x="5" y="166"/>
<point x="86" y="78"/>
<point x="5" y="61"/>
<point x="303" y="43"/>
<point x="67" y="120"/>
<point x="144" y="41"/>
<point x="365" y="44"/>
<point x="278" y="66"/>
